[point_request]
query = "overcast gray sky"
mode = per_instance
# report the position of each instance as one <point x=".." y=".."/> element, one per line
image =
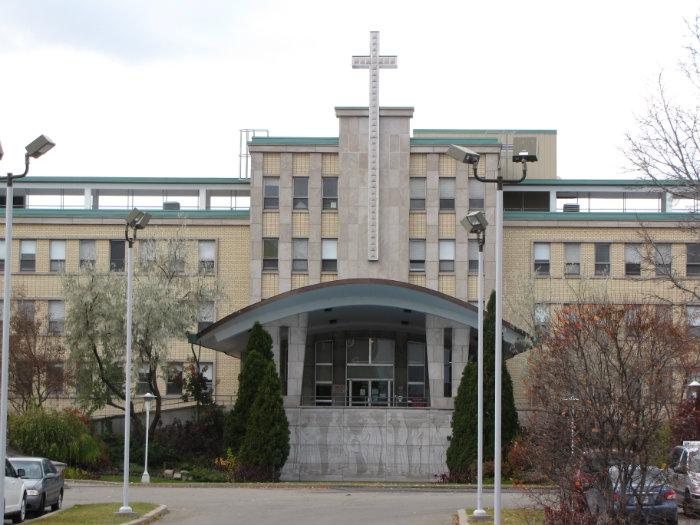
<point x="161" y="87"/>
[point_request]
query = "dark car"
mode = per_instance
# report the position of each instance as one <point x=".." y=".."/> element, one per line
<point x="43" y="482"/>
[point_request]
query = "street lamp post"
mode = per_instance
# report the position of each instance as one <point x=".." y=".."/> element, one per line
<point x="136" y="220"/>
<point x="147" y="398"/>
<point x="693" y="389"/>
<point x="570" y="401"/>
<point x="475" y="222"/>
<point x="35" y="149"/>
<point x="470" y="157"/>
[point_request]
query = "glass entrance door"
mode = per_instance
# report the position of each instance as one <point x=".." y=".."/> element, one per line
<point x="381" y="392"/>
<point x="359" y="392"/>
<point x="375" y="392"/>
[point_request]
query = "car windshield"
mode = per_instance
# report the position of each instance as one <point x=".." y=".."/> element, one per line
<point x="32" y="469"/>
<point x="654" y="476"/>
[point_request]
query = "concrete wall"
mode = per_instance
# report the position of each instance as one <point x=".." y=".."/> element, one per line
<point x="367" y="443"/>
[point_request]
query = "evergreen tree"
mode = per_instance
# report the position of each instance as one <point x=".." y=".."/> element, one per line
<point x="462" y="452"/>
<point x="257" y="354"/>
<point x="266" y="445"/>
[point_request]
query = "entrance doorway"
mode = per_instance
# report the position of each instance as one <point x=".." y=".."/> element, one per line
<point x="370" y="392"/>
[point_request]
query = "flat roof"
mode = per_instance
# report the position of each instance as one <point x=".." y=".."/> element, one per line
<point x="428" y="141"/>
<point x="132" y="180"/>
<point x="486" y="131"/>
<point x="122" y="213"/>
<point x="281" y="141"/>
<point x="594" y="182"/>
<point x="598" y="216"/>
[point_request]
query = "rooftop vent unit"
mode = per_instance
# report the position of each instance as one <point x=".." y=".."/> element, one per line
<point x="568" y="208"/>
<point x="171" y="205"/>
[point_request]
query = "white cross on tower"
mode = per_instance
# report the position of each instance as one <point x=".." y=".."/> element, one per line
<point x="373" y="62"/>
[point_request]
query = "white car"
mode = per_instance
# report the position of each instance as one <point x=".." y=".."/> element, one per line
<point x="15" y="494"/>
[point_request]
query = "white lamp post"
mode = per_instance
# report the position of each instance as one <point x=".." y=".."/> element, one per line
<point x="571" y="400"/>
<point x="147" y="398"/>
<point x="136" y="220"/>
<point x="475" y="222"/>
<point x="35" y="149"/>
<point x="468" y="156"/>
<point x="693" y="389"/>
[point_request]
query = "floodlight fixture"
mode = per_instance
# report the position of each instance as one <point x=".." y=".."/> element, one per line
<point x="462" y="154"/>
<point x="475" y="222"/>
<point x="137" y="219"/>
<point x="39" y="146"/>
<point x="525" y="156"/>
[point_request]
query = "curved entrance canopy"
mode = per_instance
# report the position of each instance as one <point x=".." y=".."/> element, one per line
<point x="230" y="333"/>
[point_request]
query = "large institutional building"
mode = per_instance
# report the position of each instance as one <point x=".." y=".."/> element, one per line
<point x="349" y="250"/>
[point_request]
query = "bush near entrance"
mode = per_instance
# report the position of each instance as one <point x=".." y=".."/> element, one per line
<point x="462" y="452"/>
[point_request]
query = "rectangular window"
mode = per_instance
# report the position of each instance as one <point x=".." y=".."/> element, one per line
<point x="57" y="256"/>
<point x="447" y="373"/>
<point x="447" y="193"/>
<point x="284" y="357"/>
<point x="633" y="259"/>
<point x="446" y="249"/>
<point x="207" y="371"/>
<point x="2" y="255"/>
<point x="270" y="254"/>
<point x="329" y="255"/>
<point x="173" y="379"/>
<point x="416" y="373"/>
<point x="475" y="191"/>
<point x="692" y="260"/>
<point x="116" y="256"/>
<point x="142" y="385"/>
<point x="662" y="260"/>
<point x="55" y="379"/>
<point x="473" y="249"/>
<point x="541" y="252"/>
<point x="416" y="255"/>
<point x="271" y="193"/>
<point x="572" y="258"/>
<point x="147" y="251"/>
<point x="417" y="185"/>
<point x="27" y="310"/>
<point x="206" y="315"/>
<point x="602" y="259"/>
<point x="300" y="195"/>
<point x="207" y="257"/>
<point x="177" y="251"/>
<point x="330" y="193"/>
<point x="87" y="253"/>
<point x="324" y="373"/>
<point x="27" y="256"/>
<point x="57" y="316"/>
<point x="300" y="255"/>
<point x="541" y="314"/>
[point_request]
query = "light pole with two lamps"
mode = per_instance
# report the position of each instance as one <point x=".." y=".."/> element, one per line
<point x="135" y="221"/>
<point x="34" y="150"/>
<point x="475" y="222"/>
<point x="467" y="156"/>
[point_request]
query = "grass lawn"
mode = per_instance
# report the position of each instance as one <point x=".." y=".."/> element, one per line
<point x="96" y="514"/>
<point x="516" y="516"/>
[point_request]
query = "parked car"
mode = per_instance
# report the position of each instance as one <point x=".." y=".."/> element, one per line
<point x="684" y="472"/>
<point x="42" y="481"/>
<point x="657" y="497"/>
<point x="15" y="494"/>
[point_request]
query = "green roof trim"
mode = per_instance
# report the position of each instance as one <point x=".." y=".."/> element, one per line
<point x="133" y="180"/>
<point x="598" y="216"/>
<point x="486" y="131"/>
<point x="436" y="141"/>
<point x="290" y="141"/>
<point x="592" y="182"/>
<point x="112" y="214"/>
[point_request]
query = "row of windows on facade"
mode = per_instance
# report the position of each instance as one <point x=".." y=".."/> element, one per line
<point x="418" y="190"/>
<point x="542" y="313"/>
<point x="300" y="254"/>
<point x="56" y="313"/>
<point x="661" y="254"/>
<point x="174" y="373"/>
<point x="117" y="249"/>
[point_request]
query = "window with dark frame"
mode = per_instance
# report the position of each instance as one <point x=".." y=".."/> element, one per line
<point x="206" y="369"/>
<point x="284" y="357"/>
<point x="662" y="259"/>
<point x="416" y="373"/>
<point x="142" y="385"/>
<point x="329" y="255"/>
<point x="206" y="315"/>
<point x="270" y="261"/>
<point x="447" y="373"/>
<point x="207" y="257"/>
<point x="330" y="193"/>
<point x="57" y="315"/>
<point x="541" y="259"/>
<point x="300" y="193"/>
<point x="116" y="256"/>
<point x="633" y="259"/>
<point x="446" y="255"/>
<point x="173" y="379"/>
<point x="692" y="260"/>
<point x="416" y="251"/>
<point x="446" y="187"/>
<point x="57" y="256"/>
<point x="475" y="190"/>
<point x="271" y="193"/>
<point x="2" y="254"/>
<point x="572" y="259"/>
<point x="602" y="259"/>
<point x="323" y="375"/>
<point x="300" y="255"/>
<point x="418" y="189"/>
<point x="55" y="378"/>
<point x="87" y="253"/>
<point x="147" y="251"/>
<point x="473" y="253"/>
<point x="27" y="256"/>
